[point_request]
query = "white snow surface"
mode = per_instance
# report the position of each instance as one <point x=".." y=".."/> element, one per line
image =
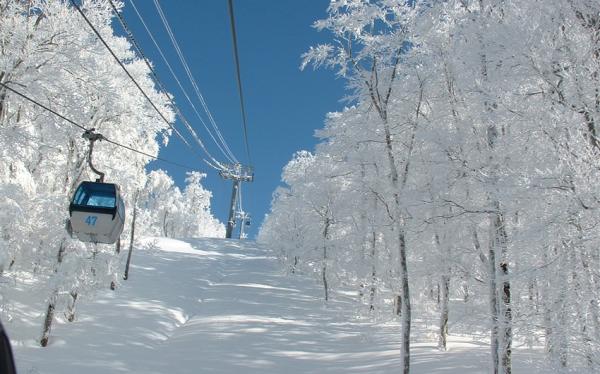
<point x="224" y="306"/>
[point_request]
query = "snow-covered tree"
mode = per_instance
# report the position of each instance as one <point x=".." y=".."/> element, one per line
<point x="470" y="161"/>
<point x="166" y="211"/>
<point x="50" y="54"/>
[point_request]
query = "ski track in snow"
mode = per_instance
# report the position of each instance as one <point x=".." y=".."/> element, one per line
<point x="218" y="306"/>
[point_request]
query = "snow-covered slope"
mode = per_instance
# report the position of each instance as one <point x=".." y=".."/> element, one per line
<point x="218" y="306"/>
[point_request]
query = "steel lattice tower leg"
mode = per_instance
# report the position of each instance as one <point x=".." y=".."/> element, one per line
<point x="231" y="220"/>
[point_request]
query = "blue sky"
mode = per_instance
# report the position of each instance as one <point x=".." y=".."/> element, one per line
<point x="284" y="105"/>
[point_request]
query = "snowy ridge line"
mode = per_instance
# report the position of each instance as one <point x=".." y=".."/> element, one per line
<point x="70" y="121"/>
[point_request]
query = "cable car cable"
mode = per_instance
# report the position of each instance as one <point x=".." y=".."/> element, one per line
<point x="137" y="47"/>
<point x="85" y="129"/>
<point x="178" y="81"/>
<point x="129" y="74"/>
<point x="43" y="106"/>
<point x="124" y="68"/>
<point x="189" y="73"/>
<point x="238" y="75"/>
<point x="149" y="155"/>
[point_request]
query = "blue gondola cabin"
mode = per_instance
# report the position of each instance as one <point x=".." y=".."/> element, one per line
<point x="97" y="213"/>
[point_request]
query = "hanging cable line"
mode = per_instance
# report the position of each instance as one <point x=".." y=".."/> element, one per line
<point x="217" y="164"/>
<point x="125" y="69"/>
<point x="189" y="75"/>
<point x="238" y="75"/>
<point x="70" y="121"/>
<point x="136" y="83"/>
<point x="159" y="82"/>
<point x="228" y="154"/>
<point x="43" y="106"/>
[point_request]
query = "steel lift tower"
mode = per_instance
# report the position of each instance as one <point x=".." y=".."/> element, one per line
<point x="237" y="173"/>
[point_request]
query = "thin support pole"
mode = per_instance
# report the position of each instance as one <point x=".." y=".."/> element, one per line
<point x="231" y="220"/>
<point x="126" y="275"/>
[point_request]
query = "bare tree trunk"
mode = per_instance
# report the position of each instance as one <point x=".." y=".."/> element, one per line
<point x="164" y="224"/>
<point x="71" y="307"/>
<point x="443" y="290"/>
<point x="380" y="101"/>
<point x="48" y="321"/>
<point x="547" y="309"/>
<point x="371" y="239"/>
<point x="52" y="302"/>
<point x="113" y="283"/>
<point x="501" y="329"/>
<point x="582" y="307"/>
<point x="406" y="305"/>
<point x="500" y="298"/>
<point x="563" y="342"/>
<point x="589" y="299"/>
<point x="324" y="267"/>
<point x="504" y="300"/>
<point x="493" y="303"/>
<point x="398" y="305"/>
<point x="507" y="321"/>
<point x="548" y="328"/>
<point x="402" y="251"/>
<point x="555" y="311"/>
<point x="324" y="273"/>
<point x="2" y="97"/>
<point x="126" y="276"/>
<point x="444" y="312"/>
<point x="373" y="271"/>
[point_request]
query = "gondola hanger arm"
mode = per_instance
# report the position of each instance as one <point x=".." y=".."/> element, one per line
<point x="92" y="137"/>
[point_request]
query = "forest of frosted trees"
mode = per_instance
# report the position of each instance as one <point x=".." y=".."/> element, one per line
<point x="461" y="184"/>
<point x="48" y="53"/>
